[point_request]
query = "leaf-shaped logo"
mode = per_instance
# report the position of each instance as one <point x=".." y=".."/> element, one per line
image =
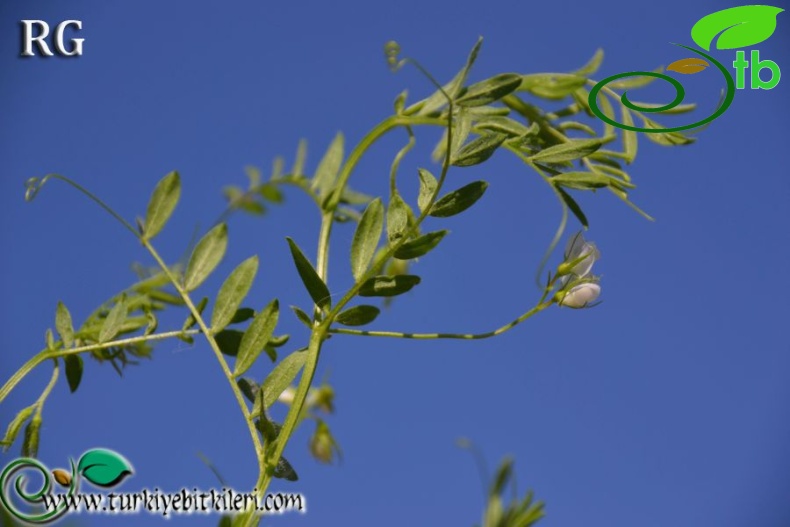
<point x="740" y="27"/>
<point x="688" y="66"/>
<point x="103" y="468"/>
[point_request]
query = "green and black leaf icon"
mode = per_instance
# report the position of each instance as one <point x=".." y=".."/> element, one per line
<point x="103" y="468"/>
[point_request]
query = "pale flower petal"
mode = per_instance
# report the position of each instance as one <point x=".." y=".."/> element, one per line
<point x="581" y="295"/>
<point x="578" y="247"/>
<point x="287" y="397"/>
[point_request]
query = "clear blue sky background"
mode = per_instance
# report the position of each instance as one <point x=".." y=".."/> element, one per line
<point x="666" y="405"/>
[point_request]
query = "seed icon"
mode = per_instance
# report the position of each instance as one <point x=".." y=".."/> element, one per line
<point x="62" y="477"/>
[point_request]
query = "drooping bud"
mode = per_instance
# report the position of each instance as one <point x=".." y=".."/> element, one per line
<point x="322" y="445"/>
<point x="579" y="296"/>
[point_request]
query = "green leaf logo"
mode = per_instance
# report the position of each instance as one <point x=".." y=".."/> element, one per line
<point x="740" y="27"/>
<point x="103" y="468"/>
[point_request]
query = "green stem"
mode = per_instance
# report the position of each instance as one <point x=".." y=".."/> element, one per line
<point x="214" y="346"/>
<point x="48" y="389"/>
<point x="319" y="332"/>
<point x="40" y="357"/>
<point x="92" y="197"/>
<point x="428" y="336"/>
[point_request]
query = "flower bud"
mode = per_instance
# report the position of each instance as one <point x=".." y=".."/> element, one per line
<point x="322" y="445"/>
<point x="579" y="296"/>
<point x="287" y="397"/>
<point x="324" y="399"/>
<point x="580" y="255"/>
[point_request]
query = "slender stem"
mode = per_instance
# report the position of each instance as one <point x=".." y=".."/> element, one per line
<point x="92" y="197"/>
<point x="40" y="357"/>
<point x="320" y="331"/>
<point x="428" y="336"/>
<point x="214" y="346"/>
<point x="48" y="389"/>
<point x="398" y="157"/>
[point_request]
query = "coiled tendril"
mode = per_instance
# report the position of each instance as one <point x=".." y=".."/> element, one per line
<point x="35" y="498"/>
<point x="680" y="94"/>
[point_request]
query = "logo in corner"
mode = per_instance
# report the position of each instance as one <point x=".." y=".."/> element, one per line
<point x="737" y="27"/>
<point x="101" y="467"/>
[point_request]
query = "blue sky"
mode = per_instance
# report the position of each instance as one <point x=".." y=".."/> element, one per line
<point x="665" y="405"/>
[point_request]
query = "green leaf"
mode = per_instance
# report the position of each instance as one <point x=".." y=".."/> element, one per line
<point x="397" y="219"/>
<point x="253" y="175"/>
<point x="73" y="371"/>
<point x="191" y="321"/>
<point x="270" y="192"/>
<point x="352" y="197"/>
<point x="574" y="207"/>
<point x="400" y="101"/>
<point x="438" y="99"/>
<point x="32" y="436"/>
<point x="358" y="315"/>
<point x="419" y="246"/>
<point x="366" y="238"/>
<point x="277" y="167"/>
<point x="573" y="149"/>
<point x="552" y="86"/>
<point x="162" y="203"/>
<point x="63" y="325"/>
<point x="459" y="200"/>
<point x="428" y="186"/>
<point x="506" y="125"/>
<point x="233" y="292"/>
<point x="581" y="180"/>
<point x="592" y="65"/>
<point x="256" y="337"/>
<point x="303" y="317"/>
<point x="284" y="470"/>
<point x="478" y="150"/>
<point x="388" y="285"/>
<point x="740" y="27"/>
<point x="461" y="130"/>
<point x="242" y="315"/>
<point x="503" y="474"/>
<point x="103" y="468"/>
<point x="666" y="138"/>
<point x="282" y="376"/>
<point x="229" y="341"/>
<point x="268" y="428"/>
<point x="312" y="282"/>
<point x="280" y="341"/>
<point x="112" y="323"/>
<point x="629" y="136"/>
<point x="606" y="107"/>
<point x="301" y="155"/>
<point x="575" y="125"/>
<point x="637" y="81"/>
<point x="249" y="388"/>
<point x="490" y="90"/>
<point x="329" y="166"/>
<point x="151" y="322"/>
<point x="207" y="255"/>
<point x="15" y="426"/>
